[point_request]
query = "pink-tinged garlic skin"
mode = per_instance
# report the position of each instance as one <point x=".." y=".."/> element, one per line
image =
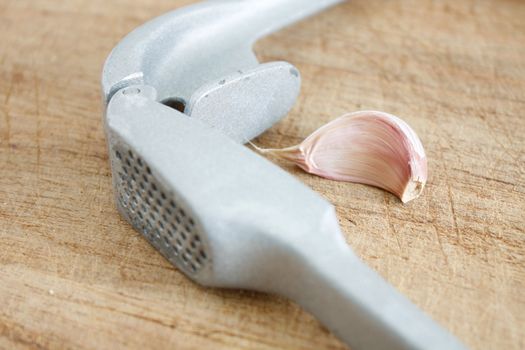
<point x="368" y="147"/>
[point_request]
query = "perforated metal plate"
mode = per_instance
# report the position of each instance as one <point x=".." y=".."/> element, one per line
<point x="155" y="212"/>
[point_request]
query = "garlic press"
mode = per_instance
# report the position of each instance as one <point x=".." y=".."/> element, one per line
<point x="182" y="93"/>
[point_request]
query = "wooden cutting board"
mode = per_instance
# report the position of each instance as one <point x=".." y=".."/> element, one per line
<point x="73" y="274"/>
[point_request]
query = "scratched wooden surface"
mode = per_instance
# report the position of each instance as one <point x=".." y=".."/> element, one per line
<point x="73" y="274"/>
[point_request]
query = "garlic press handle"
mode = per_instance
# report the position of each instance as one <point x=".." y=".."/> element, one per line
<point x="270" y="16"/>
<point x="359" y="306"/>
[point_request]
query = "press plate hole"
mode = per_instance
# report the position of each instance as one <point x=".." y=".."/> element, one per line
<point x="131" y="91"/>
<point x="176" y="103"/>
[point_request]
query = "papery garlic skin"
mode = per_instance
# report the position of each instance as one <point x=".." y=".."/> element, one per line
<point x="368" y="147"/>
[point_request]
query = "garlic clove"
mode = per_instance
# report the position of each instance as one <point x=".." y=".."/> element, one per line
<point x="368" y="147"/>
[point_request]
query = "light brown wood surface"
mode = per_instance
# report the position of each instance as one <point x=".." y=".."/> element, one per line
<point x="73" y="274"/>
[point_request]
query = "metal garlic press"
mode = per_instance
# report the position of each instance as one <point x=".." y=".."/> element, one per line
<point x="182" y="93"/>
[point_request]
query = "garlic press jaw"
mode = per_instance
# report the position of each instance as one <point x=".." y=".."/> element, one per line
<point x="200" y="61"/>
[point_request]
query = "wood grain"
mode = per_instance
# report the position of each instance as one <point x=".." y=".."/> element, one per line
<point x="73" y="274"/>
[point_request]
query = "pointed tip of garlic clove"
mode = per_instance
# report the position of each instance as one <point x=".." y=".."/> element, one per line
<point x="292" y="154"/>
